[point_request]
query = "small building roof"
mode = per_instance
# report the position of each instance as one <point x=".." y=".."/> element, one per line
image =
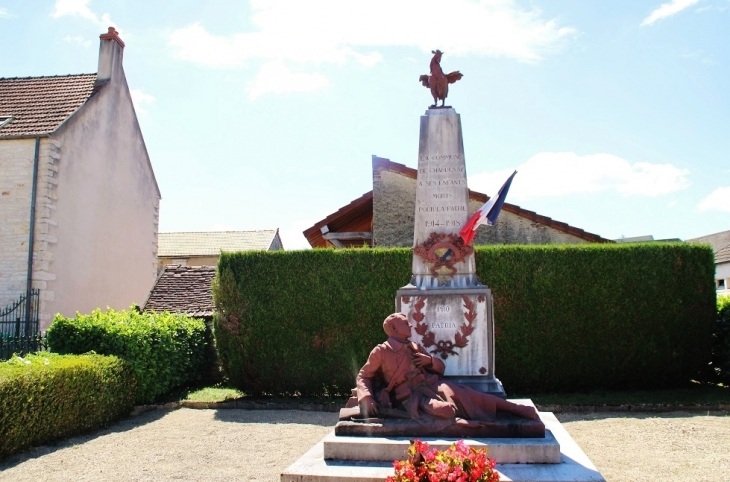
<point x="717" y="240"/>
<point x="211" y="243"/>
<point x="720" y="243"/>
<point x="356" y="216"/>
<point x="722" y="255"/>
<point x="39" y="105"/>
<point x="183" y="289"/>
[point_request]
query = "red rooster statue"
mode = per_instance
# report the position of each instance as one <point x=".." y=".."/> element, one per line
<point x="437" y="81"/>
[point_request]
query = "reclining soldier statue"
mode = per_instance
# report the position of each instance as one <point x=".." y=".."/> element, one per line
<point x="401" y="379"/>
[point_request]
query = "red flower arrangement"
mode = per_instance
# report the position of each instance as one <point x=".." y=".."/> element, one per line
<point x="458" y="463"/>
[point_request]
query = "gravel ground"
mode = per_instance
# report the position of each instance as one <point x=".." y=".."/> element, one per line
<point x="218" y="445"/>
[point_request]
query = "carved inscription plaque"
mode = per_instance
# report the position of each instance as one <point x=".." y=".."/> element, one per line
<point x="442" y="195"/>
<point x="453" y="327"/>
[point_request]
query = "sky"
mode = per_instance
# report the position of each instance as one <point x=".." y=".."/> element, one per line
<point x="265" y="114"/>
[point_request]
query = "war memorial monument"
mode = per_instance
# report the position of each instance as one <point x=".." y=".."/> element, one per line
<point x="434" y="377"/>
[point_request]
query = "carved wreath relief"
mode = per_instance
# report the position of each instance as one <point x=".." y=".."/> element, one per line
<point x="443" y="251"/>
<point x="444" y="347"/>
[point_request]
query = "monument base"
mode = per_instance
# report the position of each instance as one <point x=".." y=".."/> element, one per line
<point x="361" y="459"/>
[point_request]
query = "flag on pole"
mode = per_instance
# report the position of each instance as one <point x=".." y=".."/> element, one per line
<point x="486" y="214"/>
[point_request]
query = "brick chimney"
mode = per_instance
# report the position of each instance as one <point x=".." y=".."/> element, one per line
<point x="110" y="54"/>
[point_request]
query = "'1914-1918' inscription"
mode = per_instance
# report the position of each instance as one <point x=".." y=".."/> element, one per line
<point x="442" y="224"/>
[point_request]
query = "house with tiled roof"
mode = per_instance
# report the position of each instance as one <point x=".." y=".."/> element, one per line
<point x="203" y="248"/>
<point x="79" y="209"/>
<point x="384" y="217"/>
<point x="720" y="243"/>
<point x="187" y="263"/>
<point x="183" y="289"/>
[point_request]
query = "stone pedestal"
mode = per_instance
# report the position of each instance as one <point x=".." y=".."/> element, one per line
<point x="456" y="325"/>
<point x="555" y="458"/>
<point x="449" y="309"/>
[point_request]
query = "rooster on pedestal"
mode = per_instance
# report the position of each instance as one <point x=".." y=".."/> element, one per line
<point x="438" y="82"/>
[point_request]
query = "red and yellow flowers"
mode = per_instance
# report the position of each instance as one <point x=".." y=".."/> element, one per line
<point x="458" y="463"/>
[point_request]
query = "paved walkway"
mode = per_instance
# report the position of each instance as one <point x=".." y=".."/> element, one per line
<point x="257" y="445"/>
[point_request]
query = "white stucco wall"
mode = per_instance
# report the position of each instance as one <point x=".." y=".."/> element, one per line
<point x="722" y="271"/>
<point x="16" y="182"/>
<point x="102" y="228"/>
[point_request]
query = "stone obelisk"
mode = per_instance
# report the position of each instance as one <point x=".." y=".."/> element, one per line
<point x="449" y="309"/>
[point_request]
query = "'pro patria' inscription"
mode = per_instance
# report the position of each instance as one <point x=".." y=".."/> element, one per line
<point x="440" y="326"/>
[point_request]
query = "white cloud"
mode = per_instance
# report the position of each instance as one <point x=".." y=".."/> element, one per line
<point x="667" y="10"/>
<point x="718" y="200"/>
<point x="77" y="39"/>
<point x="331" y="31"/>
<point x="560" y="173"/>
<point x="708" y="8"/>
<point x="336" y="32"/>
<point x="4" y="13"/>
<point x="139" y="99"/>
<point x="81" y="8"/>
<point x="275" y="77"/>
<point x="700" y="56"/>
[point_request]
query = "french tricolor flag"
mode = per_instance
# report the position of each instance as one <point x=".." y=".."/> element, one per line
<point x="486" y="214"/>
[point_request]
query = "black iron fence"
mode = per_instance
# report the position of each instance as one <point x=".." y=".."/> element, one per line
<point x="19" y="326"/>
<point x="20" y="318"/>
<point x="21" y="345"/>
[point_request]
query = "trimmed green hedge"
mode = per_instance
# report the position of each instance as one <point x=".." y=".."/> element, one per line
<point x="164" y="350"/>
<point x="303" y="321"/>
<point x="600" y="316"/>
<point x="567" y="317"/>
<point x="46" y="396"/>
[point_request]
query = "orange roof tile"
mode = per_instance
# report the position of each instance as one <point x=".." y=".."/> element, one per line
<point x="38" y="105"/>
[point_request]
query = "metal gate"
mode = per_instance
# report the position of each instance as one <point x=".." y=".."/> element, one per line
<point x="19" y="326"/>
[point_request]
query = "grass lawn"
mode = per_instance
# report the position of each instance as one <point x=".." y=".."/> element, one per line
<point x="692" y="394"/>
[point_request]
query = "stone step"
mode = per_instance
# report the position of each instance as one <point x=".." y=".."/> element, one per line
<point x="503" y="450"/>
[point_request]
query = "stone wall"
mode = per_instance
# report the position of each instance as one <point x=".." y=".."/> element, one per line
<point x="394" y="206"/>
<point x="394" y="201"/>
<point x="16" y="184"/>
<point x="45" y="233"/>
<point x="514" y="229"/>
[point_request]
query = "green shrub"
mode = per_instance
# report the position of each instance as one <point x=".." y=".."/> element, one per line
<point x="164" y="350"/>
<point x="567" y="317"/>
<point x="303" y="321"/>
<point x="46" y="396"/>
<point x="600" y="316"/>
<point x="721" y="341"/>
